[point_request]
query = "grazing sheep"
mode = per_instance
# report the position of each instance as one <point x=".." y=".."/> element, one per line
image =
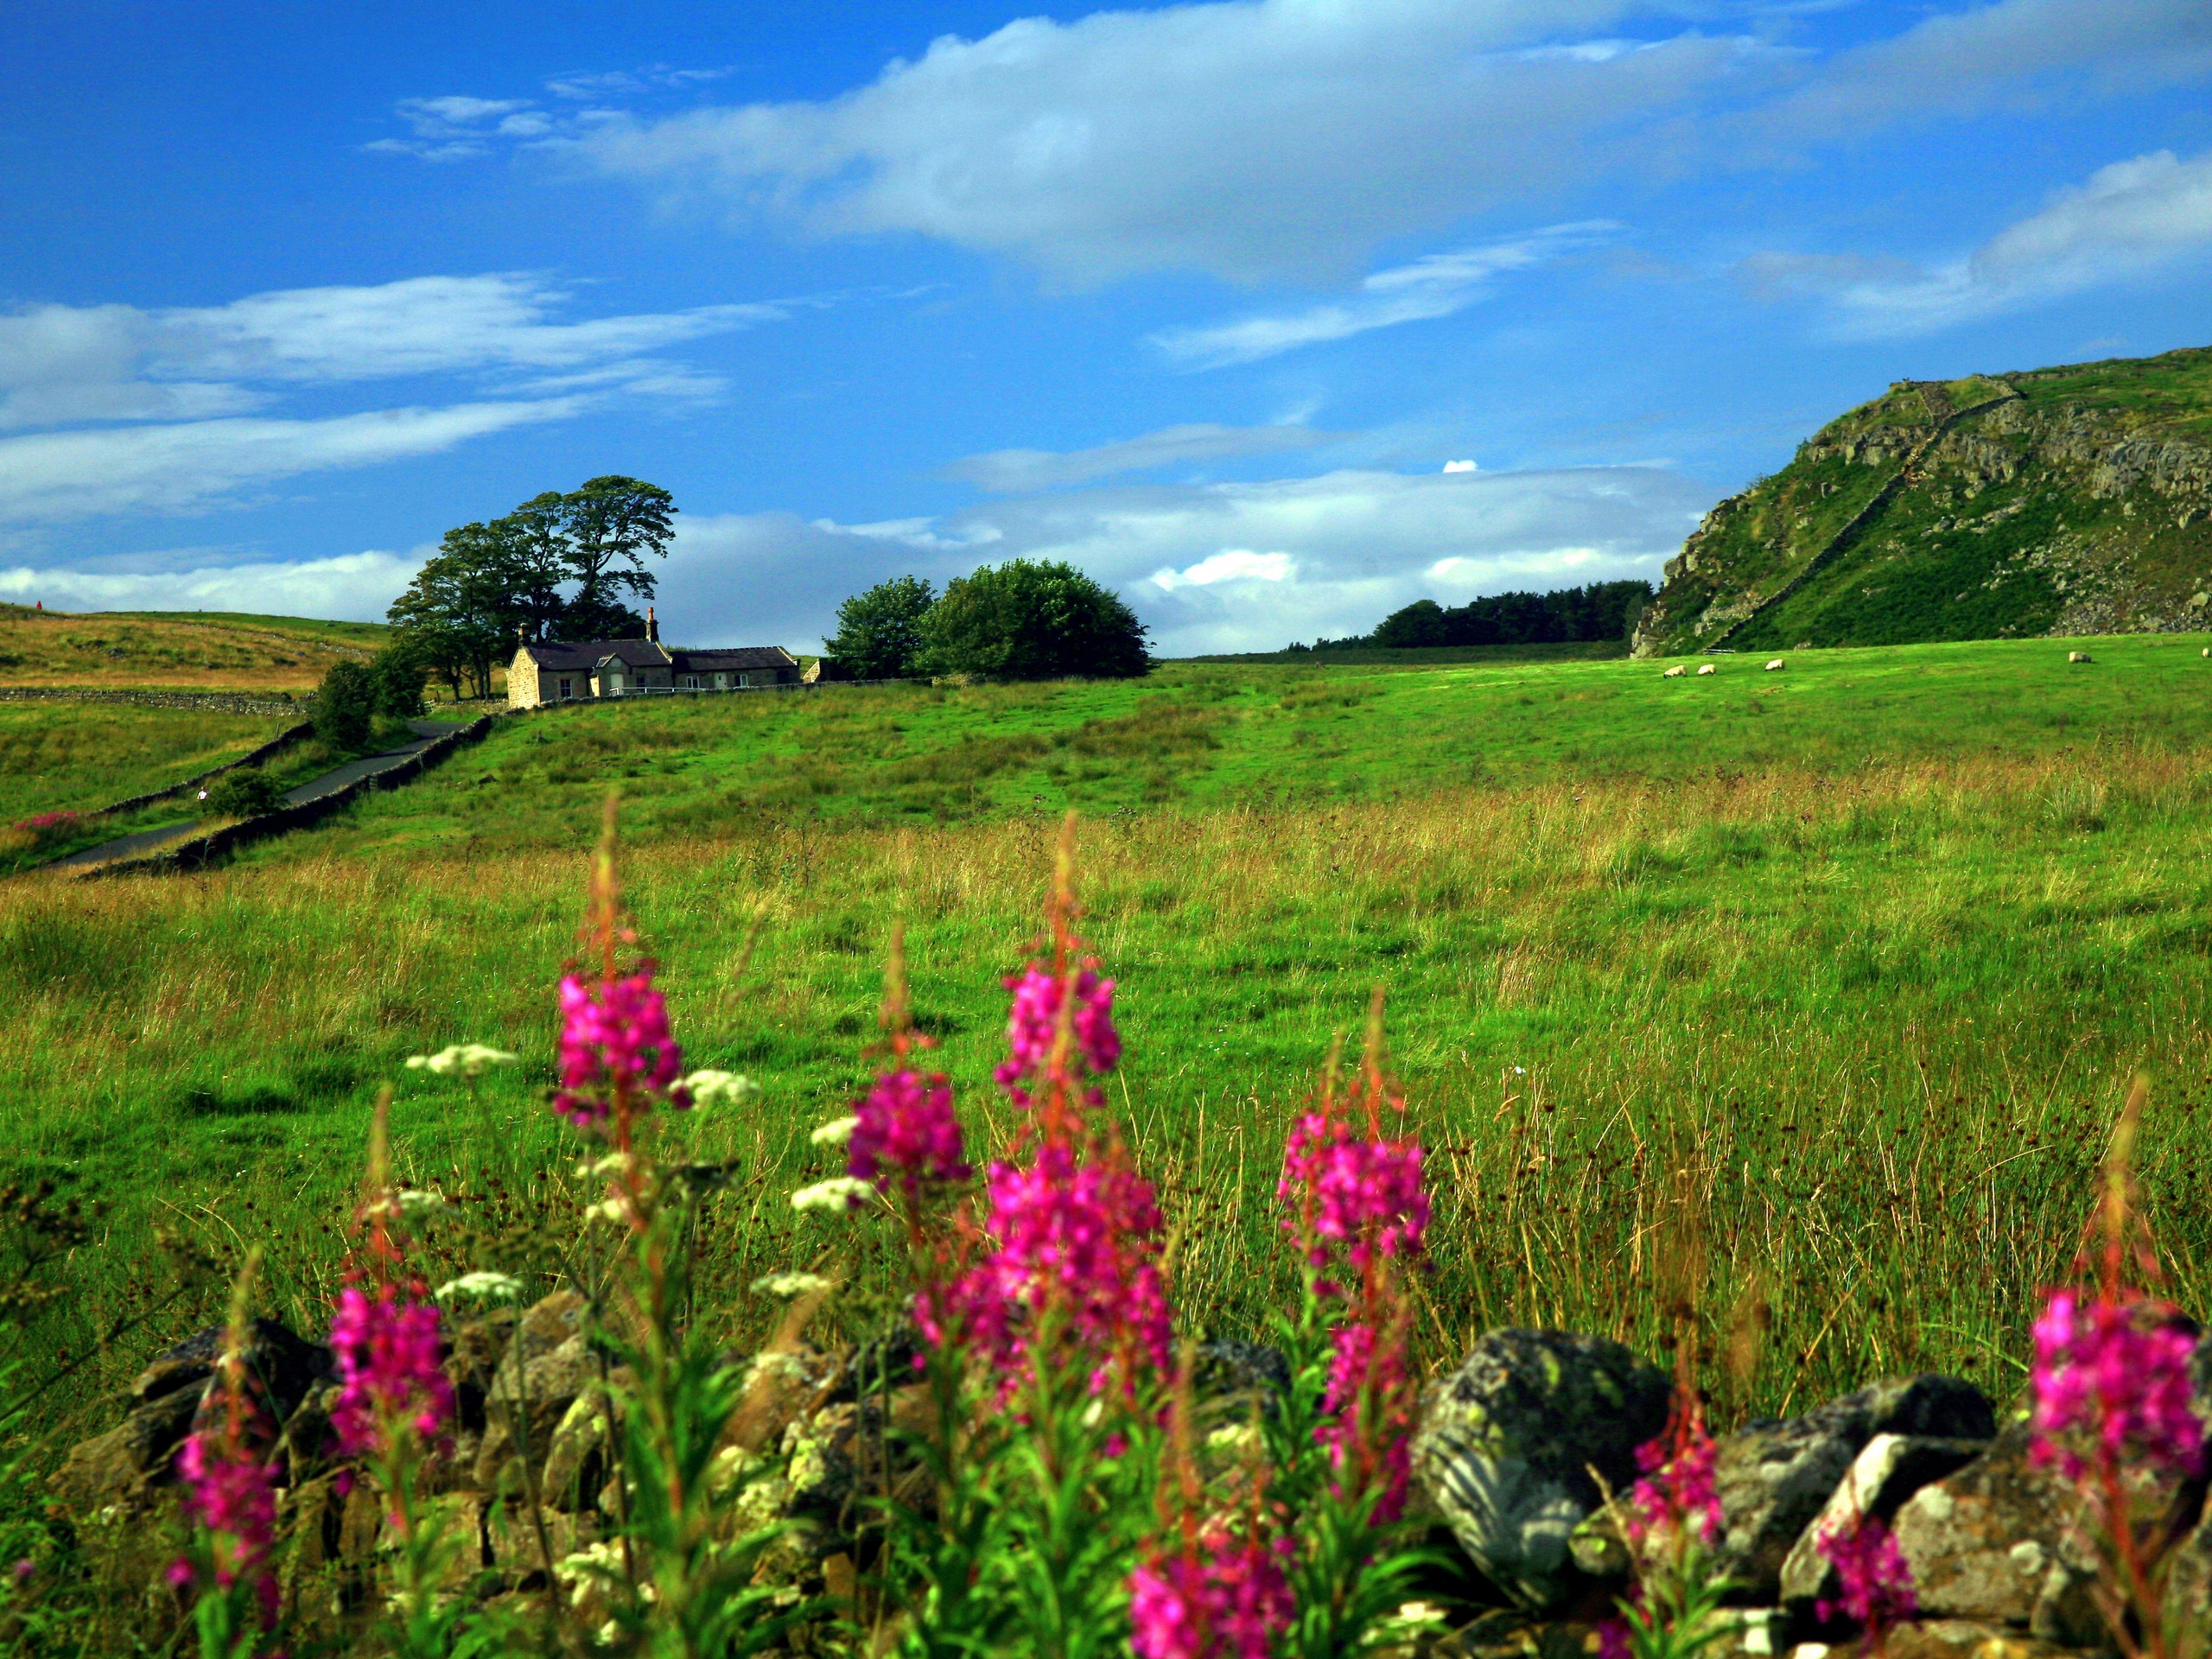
<point x="2077" y="656"/>
<point x="1675" y="673"/>
<point x="1709" y="668"/>
<point x="1775" y="667"/>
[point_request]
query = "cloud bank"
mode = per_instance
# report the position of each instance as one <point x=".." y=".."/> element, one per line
<point x="1218" y="567"/>
<point x="2132" y="219"/>
<point x="187" y="379"/>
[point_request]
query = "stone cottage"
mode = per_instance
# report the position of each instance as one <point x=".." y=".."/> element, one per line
<point x="558" y="671"/>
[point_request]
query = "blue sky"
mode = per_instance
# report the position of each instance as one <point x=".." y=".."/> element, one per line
<point x="1274" y="314"/>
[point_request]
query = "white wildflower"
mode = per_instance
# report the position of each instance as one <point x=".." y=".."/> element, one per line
<point x="612" y="1210"/>
<point x="768" y="1364"/>
<point x="838" y="1193"/>
<point x="422" y="1206"/>
<point x="720" y="1087"/>
<point x="483" y="1287"/>
<point x="615" y="1163"/>
<point x="1232" y="1437"/>
<point x="791" y="1284"/>
<point x="837" y="1133"/>
<point x="468" y="1059"/>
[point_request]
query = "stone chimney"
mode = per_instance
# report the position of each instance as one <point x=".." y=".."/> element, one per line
<point x="652" y="628"/>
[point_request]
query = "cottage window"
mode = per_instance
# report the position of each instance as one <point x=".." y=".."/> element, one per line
<point x="690" y="682"/>
<point x="568" y="688"/>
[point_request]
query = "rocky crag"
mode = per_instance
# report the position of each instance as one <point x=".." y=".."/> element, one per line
<point x="2060" y="501"/>
<point x="1512" y="1456"/>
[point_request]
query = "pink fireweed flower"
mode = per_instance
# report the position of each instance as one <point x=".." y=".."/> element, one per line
<point x="1228" y="1601"/>
<point x="1033" y="1021"/>
<point x="615" y="1032"/>
<point x="2114" y="1374"/>
<point x="1369" y="1405"/>
<point x="1874" y="1583"/>
<point x="390" y="1370"/>
<point x="231" y="1491"/>
<point x="1080" y="1234"/>
<point x="907" y="1134"/>
<point x="1679" y="1484"/>
<point x="1359" y="1194"/>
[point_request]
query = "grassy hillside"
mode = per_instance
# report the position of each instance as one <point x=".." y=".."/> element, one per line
<point x="81" y="756"/>
<point x="1197" y="736"/>
<point x="2061" y="501"/>
<point x="183" y="650"/>
<point x="1848" y="965"/>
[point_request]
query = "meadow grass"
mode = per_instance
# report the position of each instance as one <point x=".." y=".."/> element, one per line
<point x="1198" y="736"/>
<point x="189" y="650"/>
<point x="1829" y="1052"/>
<point x="81" y="756"/>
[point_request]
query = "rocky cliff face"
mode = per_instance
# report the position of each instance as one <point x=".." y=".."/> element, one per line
<point x="2063" y="501"/>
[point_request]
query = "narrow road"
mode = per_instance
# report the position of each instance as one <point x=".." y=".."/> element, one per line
<point x="427" y="732"/>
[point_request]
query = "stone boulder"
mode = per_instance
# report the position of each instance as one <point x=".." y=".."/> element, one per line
<point x="1891" y="1469"/>
<point x="1507" y="1442"/>
<point x="1774" y="1477"/>
<point x="282" y="1370"/>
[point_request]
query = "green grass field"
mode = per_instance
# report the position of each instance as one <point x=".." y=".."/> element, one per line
<point x="1817" y="990"/>
<point x="81" y="756"/>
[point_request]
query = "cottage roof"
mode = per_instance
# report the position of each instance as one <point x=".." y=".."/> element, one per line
<point x="736" y="657"/>
<point x="587" y="656"/>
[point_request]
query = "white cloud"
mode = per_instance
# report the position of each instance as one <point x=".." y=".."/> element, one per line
<point x="1260" y="139"/>
<point x="2012" y="53"/>
<point x="355" y="587"/>
<point x="117" y="362"/>
<point x="1008" y="470"/>
<point x="1230" y="564"/>
<point x="50" y="476"/>
<point x="1461" y="467"/>
<point x="2131" y="219"/>
<point x="1433" y="287"/>
<point x="1250" y="138"/>
<point x="1344" y="549"/>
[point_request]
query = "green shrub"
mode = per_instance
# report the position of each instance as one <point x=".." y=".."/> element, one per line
<point x="346" y="706"/>
<point x="1032" y="619"/>
<point x="245" y="793"/>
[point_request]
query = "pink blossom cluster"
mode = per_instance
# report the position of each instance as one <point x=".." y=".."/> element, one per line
<point x="2117" y="1370"/>
<point x="614" y="1034"/>
<point x="41" y="821"/>
<point x="1033" y="1019"/>
<point x="1228" y="1601"/>
<point x="229" y="1489"/>
<point x="391" y="1358"/>
<point x="907" y="1133"/>
<point x="1874" y="1583"/>
<point x="1679" y="1484"/>
<point x="1360" y="1194"/>
<point x="1368" y="1376"/>
<point x="1077" y="1233"/>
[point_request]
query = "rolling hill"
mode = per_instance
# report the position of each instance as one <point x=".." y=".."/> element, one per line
<point x="176" y="651"/>
<point x="2072" y="500"/>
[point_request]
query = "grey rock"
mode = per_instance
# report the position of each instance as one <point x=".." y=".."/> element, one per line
<point x="1890" y="1469"/>
<point x="1996" y="1542"/>
<point x="1507" y="1442"/>
<point x="1774" y="1477"/>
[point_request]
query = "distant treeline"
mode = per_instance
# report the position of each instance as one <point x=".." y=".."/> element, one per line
<point x="1603" y="610"/>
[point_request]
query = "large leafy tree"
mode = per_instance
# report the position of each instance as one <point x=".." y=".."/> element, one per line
<point x="1032" y="619"/>
<point x="460" y="612"/>
<point x="613" y="526"/>
<point x="879" y="633"/>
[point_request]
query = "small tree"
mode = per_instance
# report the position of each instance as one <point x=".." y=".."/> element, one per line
<point x="346" y="706"/>
<point x="879" y="633"/>
<point x="1033" y="620"/>
<point x="245" y="793"/>
<point x="399" y="671"/>
<point x="611" y="526"/>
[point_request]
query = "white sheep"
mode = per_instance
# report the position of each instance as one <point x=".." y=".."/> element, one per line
<point x="1675" y="673"/>
<point x="2077" y="656"/>
<point x="1775" y="667"/>
<point x="1709" y="668"/>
